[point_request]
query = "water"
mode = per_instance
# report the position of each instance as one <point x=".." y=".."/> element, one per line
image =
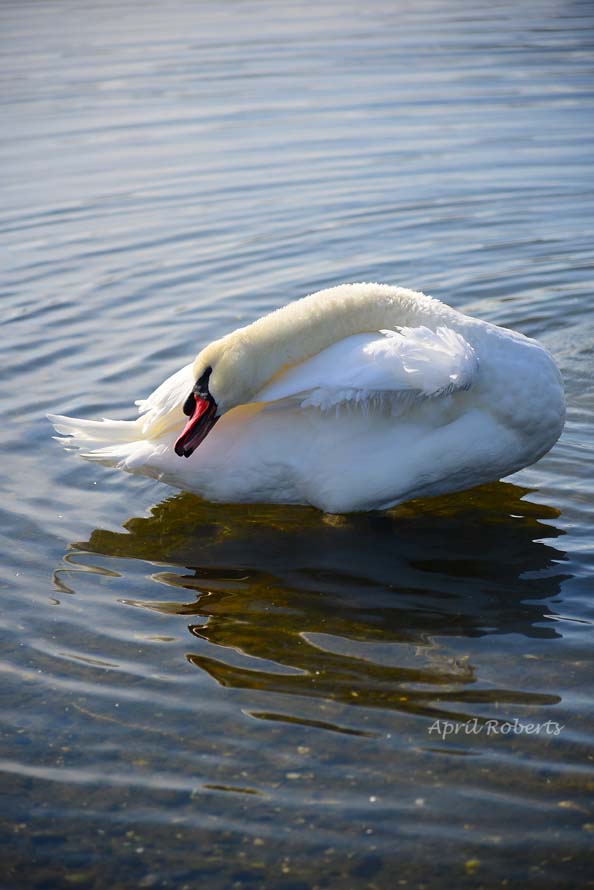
<point x="234" y="697"/>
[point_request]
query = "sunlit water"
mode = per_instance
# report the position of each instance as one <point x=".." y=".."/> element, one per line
<point x="228" y="696"/>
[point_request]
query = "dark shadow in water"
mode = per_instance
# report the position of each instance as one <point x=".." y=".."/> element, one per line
<point x="355" y="608"/>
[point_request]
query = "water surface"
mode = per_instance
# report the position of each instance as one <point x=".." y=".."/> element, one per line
<point x="255" y="697"/>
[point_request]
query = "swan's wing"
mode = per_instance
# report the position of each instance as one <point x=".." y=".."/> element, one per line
<point x="408" y="365"/>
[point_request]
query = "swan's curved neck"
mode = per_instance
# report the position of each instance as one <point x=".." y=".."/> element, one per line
<point x="250" y="357"/>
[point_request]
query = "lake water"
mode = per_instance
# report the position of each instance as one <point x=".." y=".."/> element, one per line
<point x="246" y="697"/>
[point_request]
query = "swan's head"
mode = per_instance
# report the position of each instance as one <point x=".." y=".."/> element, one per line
<point x="225" y="376"/>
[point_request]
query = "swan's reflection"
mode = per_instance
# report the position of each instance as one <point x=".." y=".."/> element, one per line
<point x="357" y="609"/>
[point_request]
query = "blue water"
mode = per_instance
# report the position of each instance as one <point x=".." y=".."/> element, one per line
<point x="243" y="697"/>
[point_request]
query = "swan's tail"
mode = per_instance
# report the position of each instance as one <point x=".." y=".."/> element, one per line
<point x="82" y="432"/>
<point x="133" y="445"/>
<point x="114" y="443"/>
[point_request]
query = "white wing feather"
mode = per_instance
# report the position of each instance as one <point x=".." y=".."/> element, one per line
<point x="404" y="365"/>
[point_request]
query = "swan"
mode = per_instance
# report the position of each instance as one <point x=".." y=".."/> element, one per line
<point x="357" y="397"/>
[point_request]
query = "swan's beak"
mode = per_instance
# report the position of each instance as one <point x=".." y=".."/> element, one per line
<point x="204" y="416"/>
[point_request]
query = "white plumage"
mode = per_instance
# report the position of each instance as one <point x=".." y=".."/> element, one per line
<point x="388" y="365"/>
<point x="353" y="398"/>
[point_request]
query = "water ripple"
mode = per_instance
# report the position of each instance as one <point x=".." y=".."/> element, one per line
<point x="241" y="696"/>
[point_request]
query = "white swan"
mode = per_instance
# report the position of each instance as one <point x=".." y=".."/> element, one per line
<point x="354" y="398"/>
